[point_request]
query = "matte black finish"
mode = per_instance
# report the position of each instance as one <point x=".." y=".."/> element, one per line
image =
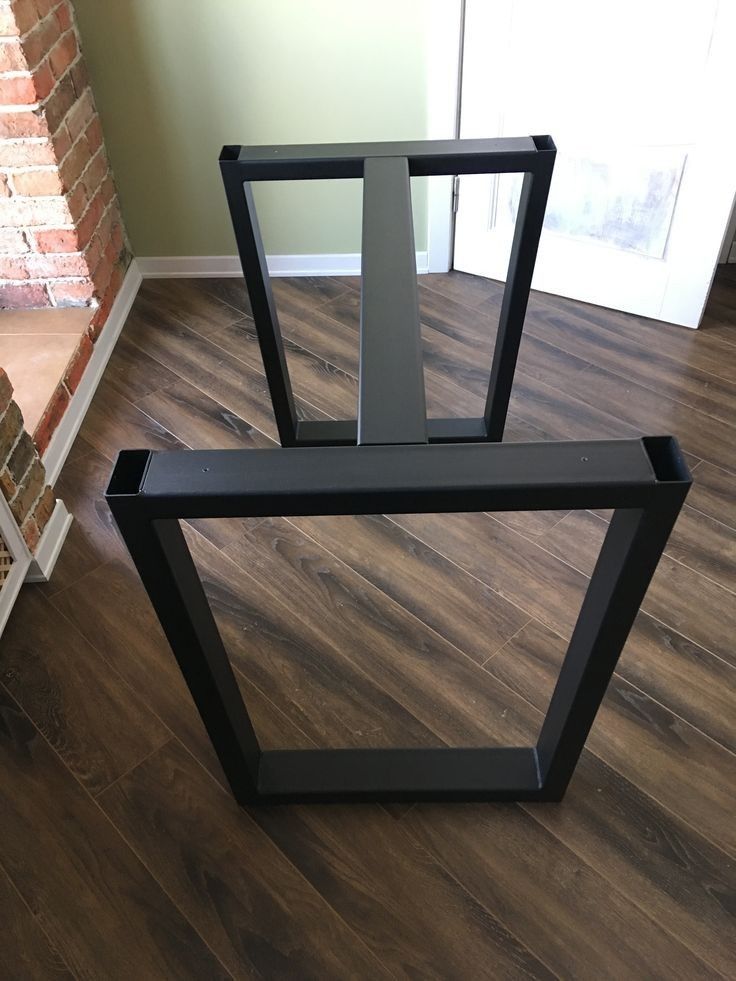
<point x="645" y="480"/>
<point x="322" y="471"/>
<point x="391" y="403"/>
<point x="390" y="341"/>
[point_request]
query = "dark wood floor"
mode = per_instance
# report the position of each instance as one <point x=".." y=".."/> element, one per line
<point x="122" y="854"/>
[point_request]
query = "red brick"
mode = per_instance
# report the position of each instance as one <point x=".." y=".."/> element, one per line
<point x="24" y="452"/>
<point x="67" y="294"/>
<point x="93" y="252"/>
<point x="77" y="202"/>
<point x="14" y="268"/>
<point x="6" y="391"/>
<point x="44" y="7"/>
<point x="19" y="125"/>
<point x="93" y="135"/>
<point x="44" y="508"/>
<point x="28" y="491"/>
<point x="12" y="241"/>
<point x="57" y="240"/>
<point x="40" y="41"/>
<point x="37" y="183"/>
<point x="62" y="142"/>
<point x="108" y="189"/>
<point x="31" y="534"/>
<point x="8" y="25"/>
<point x="78" y="363"/>
<point x="63" y="54"/>
<point x="81" y="114"/>
<point x="89" y="221"/>
<point x="51" y="419"/>
<point x="102" y="274"/>
<point x="26" y="15"/>
<point x="104" y="230"/>
<point x="80" y="76"/>
<point x="25" y="154"/>
<point x="11" y="425"/>
<point x="64" y="17"/>
<point x="59" y="103"/>
<point x="45" y="266"/>
<point x="103" y="311"/>
<point x="17" y="91"/>
<point x="22" y="212"/>
<point x="7" y="485"/>
<point x="74" y="163"/>
<point x="43" y="80"/>
<point x="12" y="58"/>
<point x="95" y="172"/>
<point x="23" y="296"/>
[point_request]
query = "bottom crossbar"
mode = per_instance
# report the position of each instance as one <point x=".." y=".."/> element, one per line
<point x="502" y="773"/>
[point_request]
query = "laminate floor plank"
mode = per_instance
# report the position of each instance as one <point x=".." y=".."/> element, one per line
<point x="233" y="383"/>
<point x="437" y="684"/>
<point x="646" y="364"/>
<point x="283" y="646"/>
<point x="714" y="493"/>
<point x="99" y="906"/>
<point x="93" y="537"/>
<point x="697" y="607"/>
<point x="97" y="725"/>
<point x="185" y="301"/>
<point x="390" y="891"/>
<point x="637" y="736"/>
<point x="552" y="901"/>
<point x="360" y="631"/>
<point x="27" y="951"/>
<point x="456" y="605"/>
<point x="668" y="870"/>
<point x="261" y="916"/>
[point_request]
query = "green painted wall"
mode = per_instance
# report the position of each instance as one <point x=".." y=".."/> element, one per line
<point x="174" y="80"/>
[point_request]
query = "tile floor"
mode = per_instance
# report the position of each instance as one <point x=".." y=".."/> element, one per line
<point x="35" y="348"/>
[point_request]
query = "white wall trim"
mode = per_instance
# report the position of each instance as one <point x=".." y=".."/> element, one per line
<point x="61" y="442"/>
<point x="444" y="59"/>
<point x="202" y="266"/>
<point x="49" y="546"/>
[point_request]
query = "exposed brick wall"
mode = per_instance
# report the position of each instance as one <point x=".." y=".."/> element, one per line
<point x="22" y="475"/>
<point x="62" y="241"/>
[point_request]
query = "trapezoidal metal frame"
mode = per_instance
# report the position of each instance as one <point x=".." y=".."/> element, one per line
<point x="644" y="480"/>
<point x="389" y="305"/>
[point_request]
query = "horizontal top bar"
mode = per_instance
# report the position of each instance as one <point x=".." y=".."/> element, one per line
<point x="378" y="479"/>
<point x="426" y="157"/>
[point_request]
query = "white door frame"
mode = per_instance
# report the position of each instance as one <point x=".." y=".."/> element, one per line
<point x="444" y="61"/>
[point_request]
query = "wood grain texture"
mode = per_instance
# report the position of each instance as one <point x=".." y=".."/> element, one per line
<point x="433" y="680"/>
<point x="436" y="591"/>
<point x="412" y="630"/>
<point x="637" y="736"/>
<point x="27" y="951"/>
<point x="402" y="902"/>
<point x="93" y="720"/>
<point x="548" y="897"/>
<point x="100" y="907"/>
<point x="261" y="917"/>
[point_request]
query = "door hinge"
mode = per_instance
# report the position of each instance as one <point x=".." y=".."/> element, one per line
<point x="455" y="194"/>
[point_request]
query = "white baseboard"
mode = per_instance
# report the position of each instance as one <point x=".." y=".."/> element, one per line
<point x="53" y="537"/>
<point x="203" y="266"/>
<point x="61" y="442"/>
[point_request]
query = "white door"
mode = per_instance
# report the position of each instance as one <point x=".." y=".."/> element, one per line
<point x="635" y="94"/>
